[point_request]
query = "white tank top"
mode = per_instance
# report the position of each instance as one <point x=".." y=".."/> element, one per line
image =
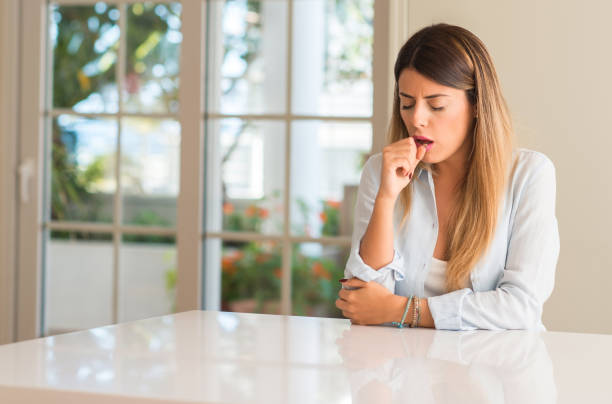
<point x="434" y="284"/>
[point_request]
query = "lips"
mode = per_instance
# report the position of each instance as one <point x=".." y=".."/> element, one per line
<point x="422" y="140"/>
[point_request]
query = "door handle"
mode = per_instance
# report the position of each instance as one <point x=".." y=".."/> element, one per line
<point x="26" y="172"/>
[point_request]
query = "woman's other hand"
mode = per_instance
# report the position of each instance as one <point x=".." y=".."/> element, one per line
<point x="369" y="303"/>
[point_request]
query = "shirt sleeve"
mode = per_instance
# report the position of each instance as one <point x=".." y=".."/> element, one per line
<point x="366" y="195"/>
<point x="528" y="277"/>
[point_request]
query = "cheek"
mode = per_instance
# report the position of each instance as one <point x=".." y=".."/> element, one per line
<point x="451" y="134"/>
<point x="403" y="116"/>
<point x="455" y="126"/>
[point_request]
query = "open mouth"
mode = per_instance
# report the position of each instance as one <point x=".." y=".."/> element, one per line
<point x="420" y="140"/>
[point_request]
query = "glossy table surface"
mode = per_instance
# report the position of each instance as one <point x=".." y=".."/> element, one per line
<point x="219" y="357"/>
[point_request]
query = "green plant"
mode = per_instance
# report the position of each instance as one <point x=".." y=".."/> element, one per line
<point x="254" y="272"/>
<point x="170" y="278"/>
<point x="250" y="219"/>
<point x="304" y="210"/>
<point x="330" y="216"/>
<point x="314" y="283"/>
<point x="253" y="216"/>
<point x="148" y="217"/>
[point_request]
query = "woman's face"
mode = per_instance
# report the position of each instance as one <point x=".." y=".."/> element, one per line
<point x="441" y="114"/>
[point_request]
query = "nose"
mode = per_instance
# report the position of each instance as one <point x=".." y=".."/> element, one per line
<point x="420" y="115"/>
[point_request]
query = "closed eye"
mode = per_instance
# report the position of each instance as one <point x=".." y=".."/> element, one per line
<point x="406" y="107"/>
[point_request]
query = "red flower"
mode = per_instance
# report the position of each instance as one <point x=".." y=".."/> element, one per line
<point x="228" y="208"/>
<point x="333" y="204"/>
<point x="251" y="211"/>
<point x="228" y="262"/>
<point x="263" y="213"/>
<point x="262" y="258"/>
<point x="228" y="265"/>
<point x="319" y="271"/>
<point x="323" y="217"/>
<point x="278" y="273"/>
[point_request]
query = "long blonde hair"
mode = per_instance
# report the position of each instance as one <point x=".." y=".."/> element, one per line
<point x="454" y="57"/>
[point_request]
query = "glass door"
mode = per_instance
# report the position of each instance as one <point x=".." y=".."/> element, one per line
<point x="186" y="155"/>
<point x="112" y="163"/>
<point x="289" y="126"/>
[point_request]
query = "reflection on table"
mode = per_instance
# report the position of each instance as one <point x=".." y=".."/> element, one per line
<point x="445" y="367"/>
<point x="223" y="357"/>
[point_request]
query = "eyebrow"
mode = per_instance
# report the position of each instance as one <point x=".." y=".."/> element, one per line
<point x="428" y="96"/>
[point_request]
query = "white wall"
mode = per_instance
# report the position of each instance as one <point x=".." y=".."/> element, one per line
<point x="554" y="63"/>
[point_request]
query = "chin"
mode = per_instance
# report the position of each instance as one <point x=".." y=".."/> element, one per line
<point x="429" y="160"/>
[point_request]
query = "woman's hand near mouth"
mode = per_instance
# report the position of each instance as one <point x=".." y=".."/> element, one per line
<point x="399" y="162"/>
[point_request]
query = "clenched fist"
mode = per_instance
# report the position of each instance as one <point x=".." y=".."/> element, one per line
<point x="399" y="162"/>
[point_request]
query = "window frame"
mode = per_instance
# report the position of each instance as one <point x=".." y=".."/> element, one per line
<point x="196" y="287"/>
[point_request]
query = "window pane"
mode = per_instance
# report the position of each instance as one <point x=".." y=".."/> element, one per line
<point x="147" y="276"/>
<point x="250" y="277"/>
<point x="85" y="41"/>
<point x="153" y="50"/>
<point x="83" y="169"/>
<point x="78" y="281"/>
<point x="332" y="57"/>
<point x="247" y="56"/>
<point x="316" y="270"/>
<point x="250" y="157"/>
<point x="326" y="163"/>
<point x="150" y="164"/>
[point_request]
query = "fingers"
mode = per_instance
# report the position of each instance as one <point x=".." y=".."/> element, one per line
<point x="403" y="156"/>
<point x="421" y="152"/>
<point x="355" y="282"/>
<point x="344" y="294"/>
<point x="419" y="156"/>
<point x="401" y="168"/>
<point x="408" y="144"/>
<point x="403" y="146"/>
<point x="343" y="306"/>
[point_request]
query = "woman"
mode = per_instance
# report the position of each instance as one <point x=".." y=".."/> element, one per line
<point x="455" y="228"/>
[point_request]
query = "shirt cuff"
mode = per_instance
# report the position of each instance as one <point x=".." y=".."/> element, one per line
<point x="359" y="269"/>
<point x="446" y="309"/>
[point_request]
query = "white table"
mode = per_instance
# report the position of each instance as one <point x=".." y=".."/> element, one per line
<point x="218" y="357"/>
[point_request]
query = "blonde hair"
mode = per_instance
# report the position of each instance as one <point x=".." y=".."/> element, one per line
<point x="454" y="57"/>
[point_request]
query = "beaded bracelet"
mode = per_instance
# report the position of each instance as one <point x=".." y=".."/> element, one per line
<point x="401" y="323"/>
<point x="416" y="314"/>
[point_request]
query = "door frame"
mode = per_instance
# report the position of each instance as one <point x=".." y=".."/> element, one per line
<point x="9" y="97"/>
